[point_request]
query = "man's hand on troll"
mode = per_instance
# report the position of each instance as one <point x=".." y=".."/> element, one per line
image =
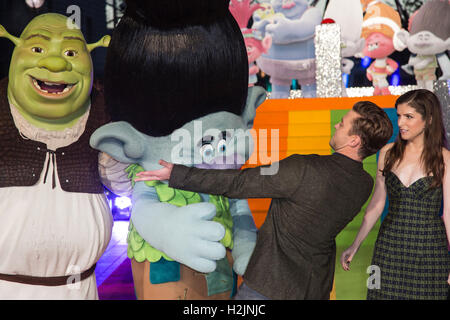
<point x="160" y="174"/>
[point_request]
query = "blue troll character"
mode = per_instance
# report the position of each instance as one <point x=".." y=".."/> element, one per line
<point x="177" y="75"/>
<point x="292" y="54"/>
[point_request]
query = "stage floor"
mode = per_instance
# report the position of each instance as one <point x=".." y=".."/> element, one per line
<point x="113" y="271"/>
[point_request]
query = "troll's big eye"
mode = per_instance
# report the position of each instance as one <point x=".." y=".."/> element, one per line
<point x="207" y="153"/>
<point x="222" y="146"/>
<point x="70" y="53"/>
<point x="37" y="50"/>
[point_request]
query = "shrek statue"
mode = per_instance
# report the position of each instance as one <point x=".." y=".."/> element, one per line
<point x="55" y="220"/>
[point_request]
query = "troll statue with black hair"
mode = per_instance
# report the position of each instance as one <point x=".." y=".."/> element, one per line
<point x="177" y="88"/>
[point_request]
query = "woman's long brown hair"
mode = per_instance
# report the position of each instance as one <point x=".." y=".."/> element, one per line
<point x="428" y="106"/>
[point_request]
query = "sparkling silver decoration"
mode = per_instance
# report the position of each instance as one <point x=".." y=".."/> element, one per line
<point x="441" y="89"/>
<point x="294" y="94"/>
<point x="328" y="60"/>
<point x="368" y="91"/>
<point x="362" y="91"/>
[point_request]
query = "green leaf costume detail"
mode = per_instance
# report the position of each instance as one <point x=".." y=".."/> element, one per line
<point x="140" y="250"/>
<point x="223" y="216"/>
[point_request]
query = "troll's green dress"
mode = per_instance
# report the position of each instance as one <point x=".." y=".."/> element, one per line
<point x="165" y="269"/>
<point x="411" y="249"/>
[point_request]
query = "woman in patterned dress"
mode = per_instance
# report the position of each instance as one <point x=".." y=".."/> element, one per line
<point x="411" y="249"/>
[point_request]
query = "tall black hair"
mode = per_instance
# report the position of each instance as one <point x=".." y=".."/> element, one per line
<point x="170" y="62"/>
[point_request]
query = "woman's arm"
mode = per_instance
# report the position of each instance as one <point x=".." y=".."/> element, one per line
<point x="446" y="190"/>
<point x="446" y="195"/>
<point x="373" y="211"/>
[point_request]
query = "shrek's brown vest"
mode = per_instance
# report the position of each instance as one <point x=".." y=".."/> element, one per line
<point x="22" y="160"/>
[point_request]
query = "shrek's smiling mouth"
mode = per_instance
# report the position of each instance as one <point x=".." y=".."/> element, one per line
<point x="51" y="89"/>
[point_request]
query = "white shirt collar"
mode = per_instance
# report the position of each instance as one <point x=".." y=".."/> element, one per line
<point x="53" y="139"/>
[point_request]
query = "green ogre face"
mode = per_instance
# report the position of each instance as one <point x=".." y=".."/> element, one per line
<point x="50" y="77"/>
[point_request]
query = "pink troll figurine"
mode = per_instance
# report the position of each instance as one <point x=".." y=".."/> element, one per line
<point x="255" y="43"/>
<point x="378" y="28"/>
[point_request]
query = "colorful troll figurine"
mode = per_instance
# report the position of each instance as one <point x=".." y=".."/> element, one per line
<point x="378" y="28"/>
<point x="292" y="53"/>
<point x="56" y="222"/>
<point x="428" y="40"/>
<point x="256" y="45"/>
<point x="177" y="87"/>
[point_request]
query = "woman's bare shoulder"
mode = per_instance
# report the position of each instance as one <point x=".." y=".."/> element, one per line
<point x="386" y="148"/>
<point x="382" y="156"/>
<point x="446" y="155"/>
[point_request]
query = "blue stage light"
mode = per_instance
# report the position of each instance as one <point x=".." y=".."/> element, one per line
<point x="345" y="79"/>
<point x="120" y="206"/>
<point x="122" y="202"/>
<point x="395" y="79"/>
<point x="365" y="62"/>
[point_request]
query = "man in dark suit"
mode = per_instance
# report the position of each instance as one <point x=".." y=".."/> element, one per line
<point x="313" y="198"/>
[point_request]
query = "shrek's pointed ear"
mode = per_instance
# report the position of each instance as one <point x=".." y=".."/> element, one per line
<point x="120" y="140"/>
<point x="256" y="96"/>
<point x="103" y="42"/>
<point x="5" y="34"/>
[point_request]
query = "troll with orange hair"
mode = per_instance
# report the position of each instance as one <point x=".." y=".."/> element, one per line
<point x="378" y="28"/>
